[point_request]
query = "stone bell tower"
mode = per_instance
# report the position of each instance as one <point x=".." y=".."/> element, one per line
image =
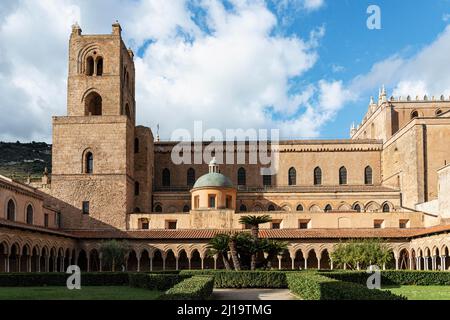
<point x="93" y="156"/>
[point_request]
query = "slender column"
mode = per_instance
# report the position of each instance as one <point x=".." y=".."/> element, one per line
<point x="425" y="261"/>
<point x="7" y="263"/>
<point x="101" y="263"/>
<point x="38" y="265"/>
<point x="164" y="263"/>
<point x="384" y="266"/>
<point x="279" y="262"/>
<point x="151" y="263"/>
<point x="396" y="264"/>
<point x="189" y="261"/>
<point x="293" y="263"/>
<point x="29" y="263"/>
<point x="318" y="263"/>
<point x="411" y="263"/>
<point x="138" y="264"/>
<point x="18" y="262"/>
<point x="444" y="267"/>
<point x="203" y="263"/>
<point x="433" y="262"/>
<point x="331" y="265"/>
<point x="306" y="263"/>
<point x="215" y="262"/>
<point x="176" y="263"/>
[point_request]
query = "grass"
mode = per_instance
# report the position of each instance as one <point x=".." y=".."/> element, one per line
<point x="422" y="292"/>
<point x="86" y="293"/>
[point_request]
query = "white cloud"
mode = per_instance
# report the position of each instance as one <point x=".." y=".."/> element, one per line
<point x="238" y="75"/>
<point x="427" y="72"/>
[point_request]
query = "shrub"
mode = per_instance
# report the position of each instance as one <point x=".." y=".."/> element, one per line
<point x="195" y="288"/>
<point x="60" y="279"/>
<point x="244" y="279"/>
<point x="160" y="281"/>
<point x="400" y="277"/>
<point x="314" y="286"/>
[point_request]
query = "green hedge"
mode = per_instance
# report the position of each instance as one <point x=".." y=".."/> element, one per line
<point x="313" y="286"/>
<point x="194" y="288"/>
<point x="157" y="281"/>
<point x="243" y="279"/>
<point x="400" y="277"/>
<point x="60" y="279"/>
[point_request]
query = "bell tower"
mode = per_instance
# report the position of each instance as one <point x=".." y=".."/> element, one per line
<point x="93" y="146"/>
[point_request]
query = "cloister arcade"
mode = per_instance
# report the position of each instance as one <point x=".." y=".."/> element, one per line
<point x="34" y="254"/>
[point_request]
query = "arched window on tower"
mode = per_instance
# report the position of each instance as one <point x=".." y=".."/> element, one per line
<point x="190" y="177"/>
<point x="89" y="163"/>
<point x="342" y="176"/>
<point x="438" y="112"/>
<point x="136" y="145"/>
<point x="292" y="180"/>
<point x="166" y="178"/>
<point x="368" y="175"/>
<point x="242" y="178"/>
<point x="93" y="104"/>
<point x="414" y="114"/>
<point x="300" y="208"/>
<point x="11" y="210"/>
<point x="386" y="208"/>
<point x="357" y="208"/>
<point x="29" y="214"/>
<point x="317" y="176"/>
<point x="90" y="66"/>
<point x="137" y="188"/>
<point x="99" y="66"/>
<point x="328" y="208"/>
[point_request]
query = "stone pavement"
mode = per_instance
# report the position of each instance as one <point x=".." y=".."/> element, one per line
<point x="252" y="294"/>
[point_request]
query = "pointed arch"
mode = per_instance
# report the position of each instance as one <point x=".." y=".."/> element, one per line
<point x="368" y="175"/>
<point x="292" y="177"/>
<point x="93" y="104"/>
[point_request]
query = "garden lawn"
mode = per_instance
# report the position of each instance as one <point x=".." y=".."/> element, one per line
<point x="422" y="292"/>
<point x="86" y="293"/>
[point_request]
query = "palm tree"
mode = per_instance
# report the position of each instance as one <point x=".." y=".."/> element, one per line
<point x="234" y="251"/>
<point x="273" y="248"/>
<point x="254" y="222"/>
<point x="219" y="245"/>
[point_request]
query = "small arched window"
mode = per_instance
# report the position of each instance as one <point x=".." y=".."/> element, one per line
<point x="190" y="177"/>
<point x="93" y="104"/>
<point x="89" y="163"/>
<point x="242" y="178"/>
<point x="357" y="208"/>
<point x="386" y="208"/>
<point x="99" y="66"/>
<point x="292" y="180"/>
<point x="300" y="208"/>
<point x="136" y="145"/>
<point x="186" y="208"/>
<point x="166" y="178"/>
<point x="368" y="175"/>
<point x="317" y="176"/>
<point x="342" y="176"/>
<point x="271" y="208"/>
<point x="243" y="208"/>
<point x="414" y="114"/>
<point x="90" y="66"/>
<point x="30" y="214"/>
<point x="158" y="208"/>
<point x="438" y="112"/>
<point x="328" y="208"/>
<point x="11" y="210"/>
<point x="137" y="188"/>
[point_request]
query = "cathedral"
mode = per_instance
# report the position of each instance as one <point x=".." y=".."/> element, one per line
<point x="112" y="179"/>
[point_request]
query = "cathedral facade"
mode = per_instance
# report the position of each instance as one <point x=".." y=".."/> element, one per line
<point x="111" y="179"/>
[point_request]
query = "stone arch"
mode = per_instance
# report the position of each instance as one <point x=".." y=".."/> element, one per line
<point x="158" y="263"/>
<point x="299" y="259"/>
<point x="158" y="208"/>
<point x="94" y="261"/>
<point x="99" y="66"/>
<point x="372" y="207"/>
<point x="14" y="254"/>
<point x="344" y="207"/>
<point x="300" y="207"/>
<point x="257" y="207"/>
<point x="132" y="261"/>
<point x="93" y="104"/>
<point x="325" y="260"/>
<point x="403" y="259"/>
<point x="183" y="260"/>
<point x="358" y="207"/>
<point x="387" y="207"/>
<point x="286" y="207"/>
<point x="11" y="209"/>
<point x="196" y="259"/>
<point x="312" y="259"/>
<point x="90" y="66"/>
<point x="315" y="208"/>
<point x="82" y="260"/>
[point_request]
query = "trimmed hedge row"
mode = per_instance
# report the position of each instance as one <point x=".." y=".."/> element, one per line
<point x="314" y="286"/>
<point x="60" y="279"/>
<point x="160" y="282"/>
<point x="392" y="277"/>
<point x="243" y="279"/>
<point x="194" y="288"/>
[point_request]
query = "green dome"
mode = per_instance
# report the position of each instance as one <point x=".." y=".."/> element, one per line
<point x="213" y="179"/>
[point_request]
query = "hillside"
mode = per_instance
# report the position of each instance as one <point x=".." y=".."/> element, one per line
<point x="18" y="160"/>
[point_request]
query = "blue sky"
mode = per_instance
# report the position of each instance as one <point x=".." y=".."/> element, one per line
<point x="307" y="67"/>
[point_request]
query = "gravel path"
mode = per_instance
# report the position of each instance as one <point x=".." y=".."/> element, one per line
<point x="252" y="294"/>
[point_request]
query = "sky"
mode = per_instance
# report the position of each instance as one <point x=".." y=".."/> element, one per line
<point x="305" y="67"/>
